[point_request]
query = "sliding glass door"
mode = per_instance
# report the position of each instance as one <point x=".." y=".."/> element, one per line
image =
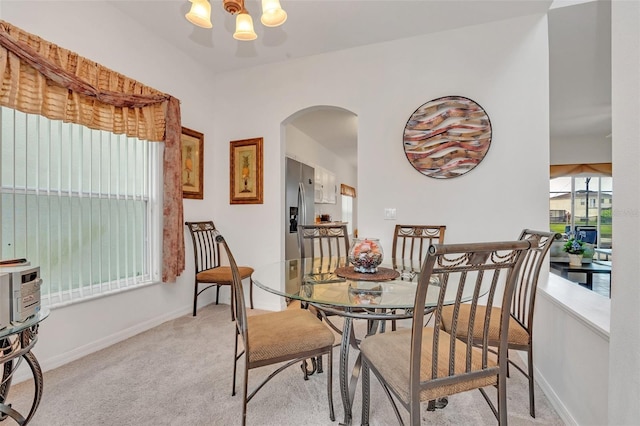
<point x="582" y="203"/>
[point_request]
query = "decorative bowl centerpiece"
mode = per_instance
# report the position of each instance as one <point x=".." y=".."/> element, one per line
<point x="365" y="255"/>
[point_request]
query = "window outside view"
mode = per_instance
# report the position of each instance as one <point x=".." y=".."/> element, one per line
<point x="582" y="202"/>
<point x="77" y="203"/>
<point x="580" y="207"/>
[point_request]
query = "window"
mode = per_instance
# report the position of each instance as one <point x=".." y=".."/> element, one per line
<point x="79" y="203"/>
<point x="583" y="201"/>
<point x="347" y="212"/>
<point x="348" y="193"/>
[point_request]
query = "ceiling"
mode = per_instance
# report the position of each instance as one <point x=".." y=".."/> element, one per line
<point x="580" y="71"/>
<point x="313" y="26"/>
<point x="579" y="52"/>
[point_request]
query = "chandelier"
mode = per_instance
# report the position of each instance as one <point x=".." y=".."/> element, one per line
<point x="272" y="16"/>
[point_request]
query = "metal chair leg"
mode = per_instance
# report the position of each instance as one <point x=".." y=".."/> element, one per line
<point x="235" y="365"/>
<point x="332" y="414"/>
<point x="244" y="399"/>
<point x="195" y="298"/>
<point x="502" y="400"/>
<point x="365" y="394"/>
<point x="532" y="404"/>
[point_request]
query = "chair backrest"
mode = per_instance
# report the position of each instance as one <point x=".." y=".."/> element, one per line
<point x="466" y="273"/>
<point x="324" y="243"/>
<point x="524" y="295"/>
<point x="206" y="251"/>
<point x="411" y="242"/>
<point x="236" y="283"/>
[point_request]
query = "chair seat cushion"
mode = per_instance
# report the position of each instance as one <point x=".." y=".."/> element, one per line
<point x="285" y="335"/>
<point x="518" y="336"/>
<point x="222" y="274"/>
<point x="389" y="353"/>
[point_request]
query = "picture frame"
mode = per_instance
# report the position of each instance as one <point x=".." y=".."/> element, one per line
<point x="192" y="146"/>
<point x="246" y="171"/>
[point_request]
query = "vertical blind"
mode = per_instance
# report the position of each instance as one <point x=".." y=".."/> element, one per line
<point x="77" y="203"/>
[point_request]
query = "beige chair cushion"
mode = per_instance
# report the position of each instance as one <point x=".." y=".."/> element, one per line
<point x="222" y="274"/>
<point x="389" y="353"/>
<point x="517" y="334"/>
<point x="285" y="335"/>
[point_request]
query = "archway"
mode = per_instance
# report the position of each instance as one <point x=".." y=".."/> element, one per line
<point x="324" y="138"/>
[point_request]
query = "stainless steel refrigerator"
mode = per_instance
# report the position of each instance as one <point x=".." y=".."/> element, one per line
<point x="299" y="206"/>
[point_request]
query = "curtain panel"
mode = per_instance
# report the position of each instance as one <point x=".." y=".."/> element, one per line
<point x="594" y="169"/>
<point x="39" y="77"/>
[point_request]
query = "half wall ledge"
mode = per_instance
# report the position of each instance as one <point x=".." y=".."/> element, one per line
<point x="586" y="306"/>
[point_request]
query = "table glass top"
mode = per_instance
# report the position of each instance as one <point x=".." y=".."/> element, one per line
<point x="311" y="281"/>
<point x="16" y="327"/>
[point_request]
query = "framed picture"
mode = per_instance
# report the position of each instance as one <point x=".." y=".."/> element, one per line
<point x="246" y="171"/>
<point x="192" y="160"/>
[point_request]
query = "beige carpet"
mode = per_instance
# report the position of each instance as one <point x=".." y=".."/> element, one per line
<point x="179" y="373"/>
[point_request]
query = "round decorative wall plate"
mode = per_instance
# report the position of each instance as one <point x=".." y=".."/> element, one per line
<point x="447" y="137"/>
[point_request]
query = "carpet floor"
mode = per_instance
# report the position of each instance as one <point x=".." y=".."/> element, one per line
<point x="180" y="373"/>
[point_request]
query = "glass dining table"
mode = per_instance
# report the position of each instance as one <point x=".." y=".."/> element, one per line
<point x="334" y="288"/>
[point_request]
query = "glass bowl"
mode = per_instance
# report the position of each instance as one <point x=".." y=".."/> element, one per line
<point x="365" y="255"/>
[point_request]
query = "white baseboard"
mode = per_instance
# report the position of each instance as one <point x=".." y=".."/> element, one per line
<point x="553" y="398"/>
<point x="548" y="391"/>
<point x="24" y="373"/>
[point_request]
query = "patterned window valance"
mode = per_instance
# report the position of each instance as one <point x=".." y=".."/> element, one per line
<point x="39" y="77"/>
<point x="347" y="190"/>
<point x="593" y="169"/>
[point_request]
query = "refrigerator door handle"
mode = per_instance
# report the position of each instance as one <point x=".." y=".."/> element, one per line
<point x="302" y="205"/>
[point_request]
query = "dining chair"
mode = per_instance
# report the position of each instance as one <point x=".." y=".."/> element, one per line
<point x="209" y="272"/>
<point x="288" y="336"/>
<point x="323" y="248"/>
<point x="425" y="363"/>
<point x="522" y="308"/>
<point x="326" y="246"/>
<point x="411" y="242"/>
<point x="410" y="246"/>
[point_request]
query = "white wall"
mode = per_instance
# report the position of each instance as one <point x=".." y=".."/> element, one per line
<point x="571" y="350"/>
<point x="580" y="150"/>
<point x="624" y="372"/>
<point x="383" y="84"/>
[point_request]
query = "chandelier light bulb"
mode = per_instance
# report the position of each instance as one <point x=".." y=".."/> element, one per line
<point x="272" y="16"/>
<point x="272" y="13"/>
<point x="200" y="13"/>
<point x="244" y="27"/>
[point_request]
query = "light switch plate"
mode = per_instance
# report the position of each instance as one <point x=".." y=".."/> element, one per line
<point x="390" y="214"/>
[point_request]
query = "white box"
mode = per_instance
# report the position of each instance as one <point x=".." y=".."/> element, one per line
<point x="5" y="300"/>
<point x="24" y="296"/>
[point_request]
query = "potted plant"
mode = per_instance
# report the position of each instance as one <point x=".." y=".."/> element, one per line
<point x="575" y="248"/>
